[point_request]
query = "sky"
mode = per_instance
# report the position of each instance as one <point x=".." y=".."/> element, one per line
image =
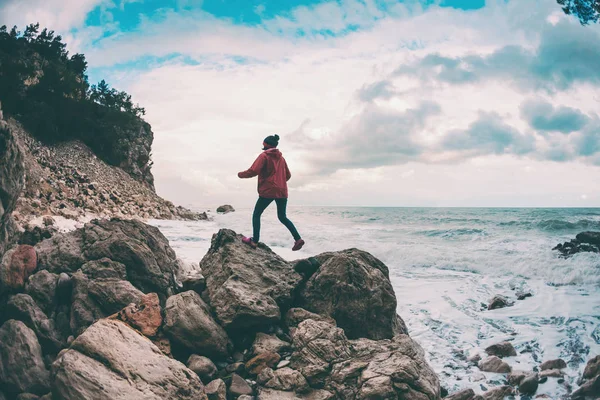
<point x="454" y="103"/>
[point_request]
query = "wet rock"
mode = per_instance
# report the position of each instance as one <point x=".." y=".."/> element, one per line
<point x="592" y="368"/>
<point x="494" y="364"/>
<point x="246" y="288"/>
<point x="474" y="359"/>
<point x="203" y="367"/>
<point x="22" y="368"/>
<point x="239" y="386"/>
<point x="112" y="361"/>
<point x="151" y="263"/>
<point x="296" y="315"/>
<point x="516" y="377"/>
<point x="553" y="364"/>
<point x="354" y="288"/>
<point x="529" y="384"/>
<point x="498" y="393"/>
<point x="41" y="286"/>
<point x="144" y="316"/>
<point x="188" y="322"/>
<point x="264" y="343"/>
<point x="499" y="301"/>
<point x="225" y="209"/>
<point x="327" y="359"/>
<point x="589" y="390"/>
<point x="16" y="266"/>
<point x="583" y="242"/>
<point x="502" y="349"/>
<point x="22" y="307"/>
<point x="522" y="295"/>
<point x="315" y="394"/>
<point x="266" y="359"/>
<point x="216" y="390"/>
<point x="467" y="394"/>
<point x="551" y="373"/>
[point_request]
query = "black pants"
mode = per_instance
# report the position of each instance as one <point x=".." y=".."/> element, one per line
<point x="261" y="206"/>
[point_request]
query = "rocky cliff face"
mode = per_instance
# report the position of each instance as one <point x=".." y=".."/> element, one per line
<point x="100" y="313"/>
<point x="11" y="181"/>
<point x="132" y="153"/>
<point x="68" y="180"/>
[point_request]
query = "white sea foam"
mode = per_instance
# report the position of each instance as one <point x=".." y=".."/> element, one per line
<point x="444" y="264"/>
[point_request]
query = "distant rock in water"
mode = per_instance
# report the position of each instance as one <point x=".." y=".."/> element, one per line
<point x="583" y="242"/>
<point x="225" y="209"/>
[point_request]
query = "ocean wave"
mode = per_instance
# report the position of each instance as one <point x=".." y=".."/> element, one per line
<point x="554" y="225"/>
<point x="450" y="233"/>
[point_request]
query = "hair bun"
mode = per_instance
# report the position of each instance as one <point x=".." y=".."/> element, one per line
<point x="276" y="137"/>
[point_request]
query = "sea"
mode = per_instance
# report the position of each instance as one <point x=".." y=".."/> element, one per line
<point x="445" y="265"/>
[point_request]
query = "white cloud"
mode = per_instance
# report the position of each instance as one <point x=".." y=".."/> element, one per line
<point x="58" y="15"/>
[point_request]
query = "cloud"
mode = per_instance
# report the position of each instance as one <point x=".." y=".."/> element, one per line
<point x="488" y="135"/>
<point x="58" y="15"/>
<point x="543" y="116"/>
<point x="567" y="54"/>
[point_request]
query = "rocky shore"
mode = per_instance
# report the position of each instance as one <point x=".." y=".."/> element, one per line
<point x="583" y="242"/>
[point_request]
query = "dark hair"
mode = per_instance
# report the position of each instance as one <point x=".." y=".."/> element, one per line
<point x="272" y="140"/>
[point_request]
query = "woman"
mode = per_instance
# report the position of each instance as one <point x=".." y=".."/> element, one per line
<point x="273" y="174"/>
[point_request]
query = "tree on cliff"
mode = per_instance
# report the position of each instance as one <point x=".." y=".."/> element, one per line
<point x="47" y="90"/>
<point x="586" y="10"/>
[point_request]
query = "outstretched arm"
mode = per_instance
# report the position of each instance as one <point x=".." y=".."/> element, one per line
<point x="255" y="169"/>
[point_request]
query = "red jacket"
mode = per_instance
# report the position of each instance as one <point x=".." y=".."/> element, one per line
<point x="273" y="174"/>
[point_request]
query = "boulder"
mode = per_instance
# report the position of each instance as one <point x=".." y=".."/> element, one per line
<point x="194" y="281"/>
<point x="41" y="286"/>
<point x="583" y="242"/>
<point x="287" y="379"/>
<point x="203" y="367"/>
<point x="216" y="390"/>
<point x="264" y="343"/>
<point x="551" y="373"/>
<point x="499" y="301"/>
<point x="21" y="307"/>
<point x="502" y="349"/>
<point x="592" y="368"/>
<point x="151" y="263"/>
<point x="22" y="368"/>
<point x="467" y="394"/>
<point x="498" y="393"/>
<point x="516" y="377"/>
<point x="239" y="386"/>
<point x="225" y="209"/>
<point x="145" y="316"/>
<point x="529" y="384"/>
<point x="16" y="266"/>
<point x="589" y="390"/>
<point x="93" y="299"/>
<point x="267" y="359"/>
<point x="110" y="360"/>
<point x="189" y="322"/>
<point x="494" y="364"/>
<point x="327" y="359"/>
<point x="272" y="394"/>
<point x="296" y="315"/>
<point x="553" y="364"/>
<point x="246" y="287"/>
<point x="354" y="288"/>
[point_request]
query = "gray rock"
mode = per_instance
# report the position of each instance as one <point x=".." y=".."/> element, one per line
<point x="498" y="393"/>
<point x="592" y="368"/>
<point x="216" y="390"/>
<point x="327" y="359"/>
<point x="225" y="209"/>
<point x="516" y="377"/>
<point x="553" y="364"/>
<point x="195" y="282"/>
<point x="265" y="376"/>
<point x="22" y="307"/>
<point x="264" y="343"/>
<point x="188" y="321"/>
<point x="239" y="386"/>
<point x="551" y="373"/>
<point x="22" y="368"/>
<point x="202" y="366"/>
<point x="112" y="361"/>
<point x="467" y="394"/>
<point x="502" y="349"/>
<point x="93" y="299"/>
<point x="499" y="301"/>
<point x="287" y="379"/>
<point x="529" y="384"/>
<point x="296" y="315"/>
<point x="315" y="394"/>
<point x="104" y="268"/>
<point x="41" y="286"/>
<point x="494" y="364"/>
<point x="151" y="263"/>
<point x="589" y="390"/>
<point x="354" y="288"/>
<point x="246" y="287"/>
